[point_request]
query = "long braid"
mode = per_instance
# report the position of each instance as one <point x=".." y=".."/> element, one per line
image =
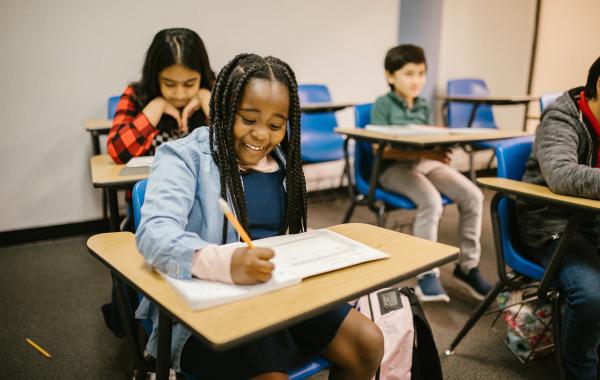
<point x="225" y="100"/>
<point x="296" y="215"/>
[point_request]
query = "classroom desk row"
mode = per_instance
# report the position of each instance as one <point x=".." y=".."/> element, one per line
<point x="98" y="127"/>
<point x="112" y="177"/>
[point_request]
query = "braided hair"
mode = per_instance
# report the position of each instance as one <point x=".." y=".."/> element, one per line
<point x="224" y="103"/>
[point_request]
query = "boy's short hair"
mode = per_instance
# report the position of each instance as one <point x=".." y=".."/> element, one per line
<point x="591" y="86"/>
<point x="400" y="55"/>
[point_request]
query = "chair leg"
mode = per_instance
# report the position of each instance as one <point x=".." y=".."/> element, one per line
<point x="481" y="309"/>
<point x="557" y="332"/>
<point x="350" y="211"/>
<point x="381" y="215"/>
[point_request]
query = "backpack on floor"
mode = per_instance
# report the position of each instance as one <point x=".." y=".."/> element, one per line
<point x="409" y="348"/>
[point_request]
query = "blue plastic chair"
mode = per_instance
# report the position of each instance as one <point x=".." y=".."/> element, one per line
<point x="547" y="99"/>
<point x="363" y="165"/>
<point x="512" y="156"/>
<point x="112" y="106"/>
<point x="458" y="113"/>
<point x="319" y="143"/>
<point x="314" y="366"/>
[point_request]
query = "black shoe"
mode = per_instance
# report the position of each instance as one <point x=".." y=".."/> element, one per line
<point x="473" y="282"/>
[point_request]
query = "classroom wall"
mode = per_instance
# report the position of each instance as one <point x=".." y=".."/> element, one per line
<point x="567" y="44"/>
<point x="491" y="40"/>
<point x="62" y="60"/>
<point x="420" y="24"/>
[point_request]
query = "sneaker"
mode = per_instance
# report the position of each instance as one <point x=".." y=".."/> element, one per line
<point x="430" y="289"/>
<point x="473" y="282"/>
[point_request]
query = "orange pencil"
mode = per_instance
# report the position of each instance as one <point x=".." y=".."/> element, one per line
<point x="38" y="348"/>
<point x="238" y="227"/>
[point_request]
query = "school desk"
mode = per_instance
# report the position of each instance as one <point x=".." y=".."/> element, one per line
<point x="580" y="208"/>
<point x="112" y="177"/>
<point x="228" y="325"/>
<point x="97" y="127"/>
<point x="489" y="100"/>
<point x="411" y="141"/>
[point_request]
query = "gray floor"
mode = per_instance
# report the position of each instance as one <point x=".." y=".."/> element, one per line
<point x="52" y="291"/>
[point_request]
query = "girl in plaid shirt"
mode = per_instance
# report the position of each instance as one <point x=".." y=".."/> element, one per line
<point x="169" y="101"/>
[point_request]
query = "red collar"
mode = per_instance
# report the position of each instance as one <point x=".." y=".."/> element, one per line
<point x="589" y="115"/>
<point x="587" y="112"/>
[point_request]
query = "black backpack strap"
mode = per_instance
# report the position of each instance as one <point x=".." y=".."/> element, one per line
<point x="426" y="362"/>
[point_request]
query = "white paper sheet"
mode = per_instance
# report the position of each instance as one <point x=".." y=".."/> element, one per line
<point x="141" y="161"/>
<point x="296" y="257"/>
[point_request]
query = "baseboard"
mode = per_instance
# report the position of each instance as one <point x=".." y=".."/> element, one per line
<point x="52" y="232"/>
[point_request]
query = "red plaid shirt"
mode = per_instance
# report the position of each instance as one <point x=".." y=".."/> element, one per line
<point x="133" y="135"/>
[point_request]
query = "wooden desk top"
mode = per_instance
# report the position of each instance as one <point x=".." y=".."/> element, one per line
<point x="105" y="173"/>
<point x="324" y="107"/>
<point x="97" y="125"/>
<point x="234" y="323"/>
<point x="488" y="99"/>
<point x="537" y="192"/>
<point x="431" y="140"/>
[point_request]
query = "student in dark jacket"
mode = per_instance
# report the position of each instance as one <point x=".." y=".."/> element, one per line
<point x="565" y="158"/>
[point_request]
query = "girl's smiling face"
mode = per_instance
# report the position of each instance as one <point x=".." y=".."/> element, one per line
<point x="261" y="120"/>
<point x="178" y="85"/>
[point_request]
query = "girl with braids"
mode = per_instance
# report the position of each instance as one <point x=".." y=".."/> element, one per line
<point x="170" y="100"/>
<point x="249" y="155"/>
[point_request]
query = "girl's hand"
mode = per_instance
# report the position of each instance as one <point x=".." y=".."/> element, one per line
<point x="251" y="266"/>
<point x="159" y="106"/>
<point x="174" y="112"/>
<point x="201" y="100"/>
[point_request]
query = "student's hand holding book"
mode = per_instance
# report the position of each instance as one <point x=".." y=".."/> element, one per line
<point x="251" y="265"/>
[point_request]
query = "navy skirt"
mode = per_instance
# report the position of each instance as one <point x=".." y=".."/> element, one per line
<point x="281" y="351"/>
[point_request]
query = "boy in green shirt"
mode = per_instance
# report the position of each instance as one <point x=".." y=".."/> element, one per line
<point x="420" y="175"/>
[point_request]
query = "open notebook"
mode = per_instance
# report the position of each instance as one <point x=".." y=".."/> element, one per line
<point x="296" y="257"/>
<point x="420" y="130"/>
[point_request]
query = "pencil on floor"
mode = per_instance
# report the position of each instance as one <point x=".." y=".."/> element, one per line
<point x="38" y="348"/>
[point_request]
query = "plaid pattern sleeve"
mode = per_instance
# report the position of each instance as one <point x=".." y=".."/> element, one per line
<point x="132" y="133"/>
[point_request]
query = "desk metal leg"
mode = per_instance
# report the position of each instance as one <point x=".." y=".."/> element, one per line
<point x="559" y="253"/>
<point x="113" y="208"/>
<point x="163" y="356"/>
<point x="95" y="142"/>
<point x="471" y="158"/>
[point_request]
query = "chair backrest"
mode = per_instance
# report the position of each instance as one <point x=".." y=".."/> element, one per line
<point x="319" y="142"/>
<point x="363" y="153"/>
<point x="512" y="157"/>
<point x="547" y="99"/>
<point x="137" y="200"/>
<point x="112" y="106"/>
<point x="459" y="113"/>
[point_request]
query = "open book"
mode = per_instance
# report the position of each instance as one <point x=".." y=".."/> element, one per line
<point x="420" y="130"/>
<point x="296" y="257"/>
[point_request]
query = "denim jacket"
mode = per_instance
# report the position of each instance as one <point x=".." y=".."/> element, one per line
<point x="180" y="215"/>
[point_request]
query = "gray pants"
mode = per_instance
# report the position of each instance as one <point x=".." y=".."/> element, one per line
<point x="422" y="182"/>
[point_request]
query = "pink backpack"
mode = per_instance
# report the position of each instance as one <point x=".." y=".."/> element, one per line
<point x="400" y="317"/>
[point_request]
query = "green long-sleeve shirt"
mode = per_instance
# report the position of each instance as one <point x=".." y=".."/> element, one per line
<point x="391" y="109"/>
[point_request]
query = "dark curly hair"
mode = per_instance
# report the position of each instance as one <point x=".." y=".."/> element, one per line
<point x="224" y="103"/>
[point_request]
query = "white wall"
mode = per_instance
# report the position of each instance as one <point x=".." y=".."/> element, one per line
<point x="567" y="44"/>
<point x="491" y="40"/>
<point x="62" y="60"/>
